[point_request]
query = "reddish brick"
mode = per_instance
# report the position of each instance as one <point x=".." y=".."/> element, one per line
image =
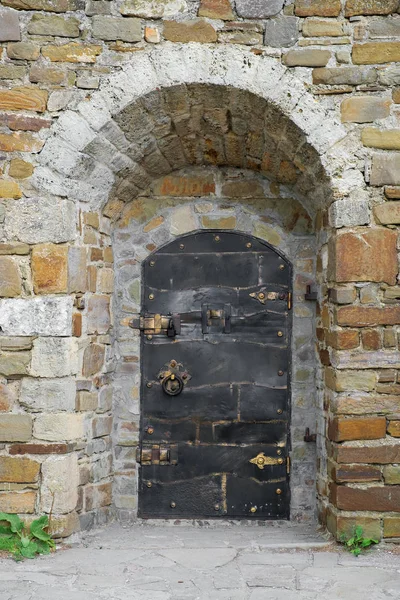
<point x="394" y="428"/>
<point x="40" y="449"/>
<point x="343" y="339"/>
<point x="24" y="122"/>
<point x="376" y="454"/>
<point x="77" y="324"/>
<point x="365" y="255"/>
<point x="371" y="339"/>
<point x="352" y="473"/>
<point x="372" y="428"/>
<point x="174" y="185"/>
<point x="382" y="499"/>
<point x="361" y="316"/>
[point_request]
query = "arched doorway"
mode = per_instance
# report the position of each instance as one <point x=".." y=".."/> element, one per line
<point x="215" y="395"/>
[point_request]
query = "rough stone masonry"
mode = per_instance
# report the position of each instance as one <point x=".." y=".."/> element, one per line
<point x="125" y="123"/>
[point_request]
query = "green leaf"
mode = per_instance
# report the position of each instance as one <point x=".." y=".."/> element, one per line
<point x="351" y="541"/>
<point x="25" y="541"/>
<point x="30" y="550"/>
<point x="5" y="530"/>
<point x="7" y="543"/>
<point x="37" y="528"/>
<point x="356" y="551"/>
<point x="43" y="547"/>
<point x="359" y="532"/>
<point x="16" y="524"/>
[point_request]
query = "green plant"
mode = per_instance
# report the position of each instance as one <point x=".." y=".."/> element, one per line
<point x="357" y="543"/>
<point x="23" y="541"/>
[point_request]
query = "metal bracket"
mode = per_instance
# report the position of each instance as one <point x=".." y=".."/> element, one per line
<point x="310" y="438"/>
<point x="311" y="294"/>
<point x="261" y="460"/>
<point x="157" y="455"/>
<point x="209" y="315"/>
<point x="169" y="325"/>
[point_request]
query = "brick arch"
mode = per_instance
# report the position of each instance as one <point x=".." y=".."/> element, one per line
<point x="67" y="170"/>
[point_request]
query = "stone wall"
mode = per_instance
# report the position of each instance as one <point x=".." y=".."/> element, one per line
<point x="100" y="99"/>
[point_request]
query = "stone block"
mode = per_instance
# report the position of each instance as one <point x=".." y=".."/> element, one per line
<point x="348" y="381"/>
<point x="20" y="169"/>
<point x="40" y="449"/>
<point x="152" y="35"/>
<point x="281" y="32"/>
<point x="388" y="139"/>
<point x="380" y="499"/>
<point x="60" y="480"/>
<point x="38" y="220"/>
<point x="154" y="9"/>
<point x="345" y="525"/>
<point x="344" y="76"/>
<point x="9" y="26"/>
<point x="14" y="248"/>
<point x="322" y="28"/>
<point x="97" y="495"/>
<point x="13" y="364"/>
<point x="370" y="7"/>
<point x="373" y="53"/>
<point x="388" y="213"/>
<point x="371" y="339"/>
<point x="24" y="98"/>
<point x="17" y="502"/>
<point x="23" y="51"/>
<point x="217" y="222"/>
<point x="58" y="427"/>
<point x="391" y="527"/>
<point x="114" y="28"/>
<point x="343" y="339"/>
<point x="15" y="344"/>
<point x="342" y="295"/>
<point x="392" y="192"/>
<point x="106" y="279"/>
<point x="54" y="357"/>
<point x="390" y="76"/>
<point x="8" y="396"/>
<point x="18" y="470"/>
<point x="101" y="426"/>
<point x="350" y="405"/>
<point x="240" y="37"/>
<point x="364" y="109"/>
<point x="182" y="221"/>
<point x="49" y="268"/>
<point x="98" y="315"/>
<point x="258" y="9"/>
<point x="18" y="122"/>
<point x="87" y="82"/>
<point x="380" y="455"/>
<point x="341" y="430"/>
<point x="364" y="255"/>
<point x="362" y="316"/>
<point x="9" y="189"/>
<point x="93" y="360"/>
<point x="86" y="401"/>
<point x="381" y="27"/>
<point x="356" y="473"/>
<point x="47" y="75"/>
<point x="394" y="428"/>
<point x="216" y="9"/>
<point x="76" y="269"/>
<point x="391" y="474"/>
<point x="196" y="30"/>
<point x="57" y="6"/>
<point x="10" y="278"/>
<point x="53" y="25"/>
<point x="318" y="8"/>
<point x="9" y="71"/>
<point x="20" y="142"/>
<point x="105" y="399"/>
<point x="385" y="169"/>
<point x="184" y="185"/>
<point x="347" y="212"/>
<point x="64" y="525"/>
<point x="36" y="316"/>
<point x="15" y="428"/>
<point x="72" y="52"/>
<point x="307" y="57"/>
<point x="97" y="7"/>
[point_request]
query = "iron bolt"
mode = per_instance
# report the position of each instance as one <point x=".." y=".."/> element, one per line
<point x="217" y="238"/>
<point x="173" y="505"/>
<point x="181" y="246"/>
<point x="280" y="333"/>
<point x="280" y="373"/>
<point x="281" y="267"/>
<point x="150" y="430"/>
<point x="152" y="263"/>
<point x="279" y="411"/>
<point x="248" y="245"/>
<point x="149" y="484"/>
<point x="253" y="509"/>
<point x="217" y="507"/>
<point x="151" y="296"/>
<point x="279" y="491"/>
<point x="149" y="384"/>
<point x="149" y="337"/>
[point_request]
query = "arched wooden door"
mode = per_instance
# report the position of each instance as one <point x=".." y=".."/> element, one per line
<point x="215" y="322"/>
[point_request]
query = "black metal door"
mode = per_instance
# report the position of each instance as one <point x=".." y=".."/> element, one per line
<point x="214" y="438"/>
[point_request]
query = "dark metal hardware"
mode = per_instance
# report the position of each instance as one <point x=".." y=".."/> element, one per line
<point x="310" y="437"/>
<point x="172" y="384"/>
<point x="157" y="455"/>
<point x="169" y="325"/>
<point x="311" y="294"/>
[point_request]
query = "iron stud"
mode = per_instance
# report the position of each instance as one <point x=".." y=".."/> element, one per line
<point x="173" y="505"/>
<point x="248" y="245"/>
<point x="152" y="263"/>
<point x="280" y="373"/>
<point x="151" y="296"/>
<point x="253" y="509"/>
<point x="181" y="246"/>
<point x="149" y="337"/>
<point x="217" y="238"/>
<point x="150" y="430"/>
<point x="279" y="411"/>
<point x="279" y="491"/>
<point x="217" y="507"/>
<point x="149" y="484"/>
<point x="280" y="333"/>
<point x="281" y="267"/>
<point x="149" y="384"/>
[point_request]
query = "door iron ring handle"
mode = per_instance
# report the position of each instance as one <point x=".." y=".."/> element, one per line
<point x="172" y="385"/>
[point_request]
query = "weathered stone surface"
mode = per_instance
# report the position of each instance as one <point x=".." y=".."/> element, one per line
<point x="58" y="427"/>
<point x="366" y="404"/>
<point x="349" y="213"/>
<point x="365" y="255"/>
<point x="87" y="82"/>
<point x="93" y="359"/>
<point x="15" y="428"/>
<point x="369" y="454"/>
<point x="112" y="28"/>
<point x="40" y="449"/>
<point x="343" y="295"/>
<point x="258" y="9"/>
<point x="152" y="35"/>
<point x="372" y="498"/>
<point x="48" y="75"/>
<point x="190" y="185"/>
<point x="248" y="38"/>
<point x="49" y="268"/>
<point x="73" y="52"/>
<point x="23" y="98"/>
<point x="54" y="357"/>
<point x="53" y="25"/>
<point x="382" y="27"/>
<point x="14" y="363"/>
<point x="10" y="278"/>
<point x="394" y="428"/>
<point x="18" y="470"/>
<point x="318" y="8"/>
<point x="101" y="426"/>
<point x="153" y="9"/>
<point x="354" y="474"/>
<point x="318" y="28"/>
<point x="388" y="213"/>
<point x="216" y="222"/>
<point x="37" y="220"/>
<point x="97" y="495"/>
<point x="385" y="169"/>
<point x="36" y="316"/>
<point x="23" y="51"/>
<point x="196" y="30"/>
<point x="386" y="139"/>
<point x="372" y="428"/>
<point x="97" y="7"/>
<point x="308" y="57"/>
<point x="20" y="142"/>
<point x="46" y="5"/>
<point x="391" y="475"/>
<point x="361" y="316"/>
<point x="86" y="401"/>
<point x="391" y="527"/>
<point x="14" y="248"/>
<point x="373" y="53"/>
<point x="98" y="315"/>
<point x="17" y="502"/>
<point x="9" y="26"/>
<point x="390" y="76"/>
<point x="15" y="343"/>
<point x="49" y="395"/>
<point x="281" y="32"/>
<point x="392" y="192"/>
<point x="60" y="480"/>
<point x="364" y="109"/>
<point x="76" y="269"/>
<point x="9" y="189"/>
<point x="370" y="7"/>
<point x="20" y="169"/>
<point x="9" y="71"/>
<point x="344" y="75"/>
<point x="216" y="9"/>
<point x="348" y="381"/>
<point x="345" y="339"/>
<point x="62" y="526"/>
<point x="19" y="122"/>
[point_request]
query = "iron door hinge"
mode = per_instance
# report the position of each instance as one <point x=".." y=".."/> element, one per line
<point x="157" y="454"/>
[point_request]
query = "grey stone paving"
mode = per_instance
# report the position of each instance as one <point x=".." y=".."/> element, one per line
<point x="238" y="562"/>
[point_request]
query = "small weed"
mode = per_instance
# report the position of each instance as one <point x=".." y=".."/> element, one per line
<point x="24" y="541"/>
<point x="357" y="543"/>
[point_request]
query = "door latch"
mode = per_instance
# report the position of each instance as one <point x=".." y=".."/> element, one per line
<point x="157" y="455"/>
<point x="169" y="325"/>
